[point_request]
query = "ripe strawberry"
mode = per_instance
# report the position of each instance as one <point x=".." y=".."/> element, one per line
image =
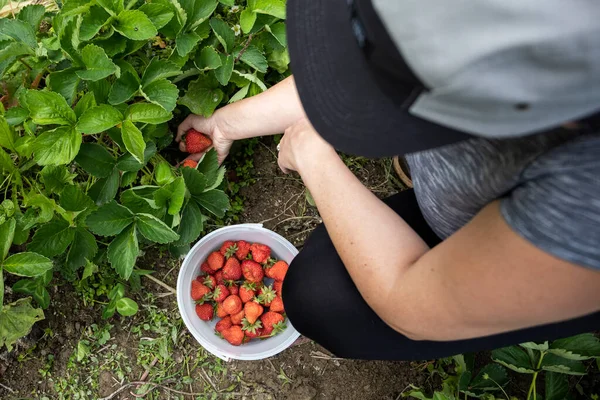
<point x="215" y="260"/>
<point x="277" y="271"/>
<point x="266" y="295"/>
<point x="221" y="313"/>
<point x="206" y="269"/>
<point x="253" y="310"/>
<point x="221" y="293"/>
<point x="247" y="291"/>
<point x="189" y="164"/>
<point x="234" y="289"/>
<point x="232" y="271"/>
<point x="205" y="311"/>
<point x="260" y="252"/>
<point x="232" y="304"/>
<point x="223" y="324"/>
<point x="277" y="305"/>
<point x="236" y="319"/>
<point x="252" y="330"/>
<point x="252" y="271"/>
<point x="196" y="142"/>
<point x="228" y="248"/>
<point x="199" y="290"/>
<point x="258" y="332"/>
<point x="210" y="281"/>
<point x="272" y="323"/>
<point x="234" y="335"/>
<point x="278" y="287"/>
<point x="243" y="250"/>
<point x="219" y="276"/>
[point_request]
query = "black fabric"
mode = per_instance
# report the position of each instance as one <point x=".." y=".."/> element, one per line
<point x="336" y="84"/>
<point x="323" y="304"/>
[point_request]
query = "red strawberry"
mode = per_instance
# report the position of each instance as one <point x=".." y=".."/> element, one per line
<point x="234" y="289"/>
<point x="205" y="311"/>
<point x="232" y="304"/>
<point x="199" y="290"/>
<point x="189" y="164"/>
<point x="232" y="271"/>
<point x="258" y="332"/>
<point x="206" y="269"/>
<point x="247" y="291"/>
<point x="236" y="319"/>
<point x="277" y="271"/>
<point x="252" y="271"/>
<point x="234" y="335"/>
<point x="260" y="252"/>
<point x="219" y="276"/>
<point x="196" y="142"/>
<point x="243" y="250"/>
<point x="266" y="295"/>
<point x="221" y="313"/>
<point x="253" y="310"/>
<point x="228" y="248"/>
<point x="272" y="322"/>
<point x="221" y="293"/>
<point x="223" y="324"/>
<point x="277" y="305"/>
<point x="252" y="330"/>
<point x="216" y="260"/>
<point x="210" y="281"/>
<point x="278" y="287"/>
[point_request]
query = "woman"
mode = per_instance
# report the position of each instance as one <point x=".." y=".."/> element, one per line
<point x="499" y="241"/>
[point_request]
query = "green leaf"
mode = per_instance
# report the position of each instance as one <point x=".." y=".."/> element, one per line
<point x="27" y="264"/>
<point x="514" y="358"/>
<point x="240" y="94"/>
<point x="203" y="96"/>
<point x="191" y="223"/>
<point x="92" y="22"/>
<point x="215" y="201"/>
<point x="35" y="288"/>
<point x="123" y="89"/>
<point x="159" y="69"/>
<point x="554" y="363"/>
<point x="171" y="195"/>
<point x="279" y="60"/>
<point x="56" y="177"/>
<point x="16" y="320"/>
<point x="147" y="113"/>
<point x="16" y="115"/>
<point x="69" y="41"/>
<point x="163" y="93"/>
<point x="186" y="42"/>
<point x="159" y="14"/>
<point x="84" y="248"/>
<point x="194" y="181"/>
<point x="557" y="386"/>
<point x="128" y="163"/>
<point x="223" y="32"/>
<point x="123" y="251"/>
<point x="85" y="103"/>
<point x="7" y="233"/>
<point x="208" y="166"/>
<point x="32" y="14"/>
<point x="83" y="350"/>
<point x="89" y="270"/>
<point x="73" y="7"/>
<point x="110" y="219"/>
<point x="202" y="12"/>
<point x="49" y="108"/>
<point x="163" y="173"/>
<point x="95" y="160"/>
<point x="52" y="238"/>
<point x="252" y="78"/>
<point x="275" y="8"/>
<point x="133" y="139"/>
<point x="535" y="346"/>
<point x="208" y="59"/>
<point x="57" y="147"/>
<point x="140" y="200"/>
<point x="254" y="58"/>
<point x="247" y="20"/>
<point x="18" y="30"/>
<point x="580" y="347"/>
<point x="97" y="64"/>
<point x="73" y="199"/>
<point x="126" y="307"/>
<point x="64" y="82"/>
<point x="105" y="189"/>
<point x="134" y="24"/>
<point x="154" y="229"/>
<point x="7" y="135"/>
<point x="10" y="53"/>
<point x="489" y="377"/>
<point x="114" y="7"/>
<point x="99" y="119"/>
<point x="279" y="32"/>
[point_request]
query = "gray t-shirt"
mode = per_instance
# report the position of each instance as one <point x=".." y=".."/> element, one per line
<point x="548" y="185"/>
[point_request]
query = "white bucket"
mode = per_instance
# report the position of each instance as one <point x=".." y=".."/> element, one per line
<point x="203" y="331"/>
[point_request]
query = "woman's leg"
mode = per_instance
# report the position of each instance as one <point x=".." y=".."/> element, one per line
<point x="323" y="304"/>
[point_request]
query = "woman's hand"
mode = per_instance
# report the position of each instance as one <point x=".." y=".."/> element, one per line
<point x="302" y="143"/>
<point x="212" y="128"/>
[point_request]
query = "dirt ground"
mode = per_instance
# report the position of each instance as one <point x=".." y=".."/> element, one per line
<point x="45" y="364"/>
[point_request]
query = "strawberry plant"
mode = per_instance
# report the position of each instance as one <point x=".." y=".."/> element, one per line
<point x="92" y="91"/>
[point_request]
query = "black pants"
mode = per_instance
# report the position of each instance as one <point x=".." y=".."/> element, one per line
<point x="324" y="305"/>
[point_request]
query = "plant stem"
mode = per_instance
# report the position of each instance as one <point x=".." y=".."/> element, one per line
<point x="532" y="387"/>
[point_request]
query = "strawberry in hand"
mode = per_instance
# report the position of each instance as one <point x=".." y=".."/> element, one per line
<point x="196" y="142"/>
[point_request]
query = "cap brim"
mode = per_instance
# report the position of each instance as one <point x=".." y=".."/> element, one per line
<point x="338" y="92"/>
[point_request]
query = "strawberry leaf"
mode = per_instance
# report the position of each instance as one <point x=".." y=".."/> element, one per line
<point x="134" y="24"/>
<point x="97" y="64"/>
<point x="99" y="119"/>
<point x="123" y="252"/>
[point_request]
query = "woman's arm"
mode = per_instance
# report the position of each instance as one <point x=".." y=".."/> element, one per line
<point x="484" y="279"/>
<point x="268" y="113"/>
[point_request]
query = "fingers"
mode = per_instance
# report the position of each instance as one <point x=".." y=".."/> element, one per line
<point x="196" y="156"/>
<point x="182" y="146"/>
<point x="184" y="127"/>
